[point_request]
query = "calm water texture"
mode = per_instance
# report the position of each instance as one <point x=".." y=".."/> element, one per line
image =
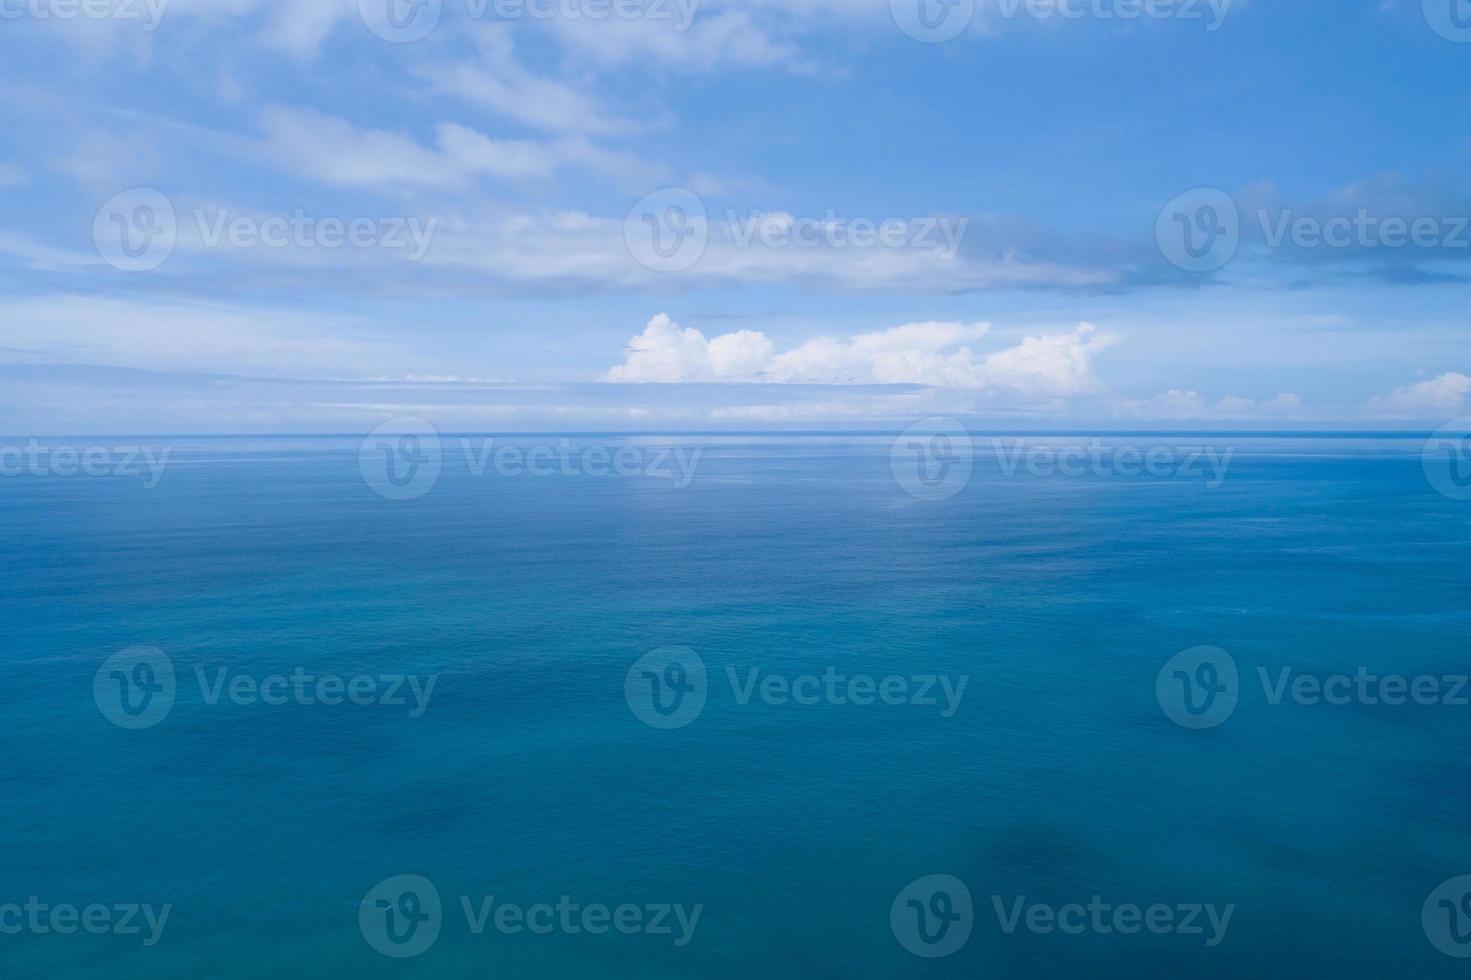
<point x="528" y="777"/>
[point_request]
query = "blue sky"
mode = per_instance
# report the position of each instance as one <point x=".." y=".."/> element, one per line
<point x="870" y="225"/>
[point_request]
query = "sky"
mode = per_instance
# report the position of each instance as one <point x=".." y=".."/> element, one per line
<point x="241" y="216"/>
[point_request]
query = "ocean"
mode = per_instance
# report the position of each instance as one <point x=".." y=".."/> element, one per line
<point x="724" y="706"/>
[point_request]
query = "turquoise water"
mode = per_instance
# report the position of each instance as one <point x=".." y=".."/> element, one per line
<point x="528" y="775"/>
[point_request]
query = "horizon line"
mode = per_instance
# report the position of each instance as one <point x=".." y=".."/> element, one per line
<point x="753" y="433"/>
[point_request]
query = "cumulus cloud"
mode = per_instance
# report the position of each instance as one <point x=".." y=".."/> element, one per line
<point x="1442" y="395"/>
<point x="936" y="354"/>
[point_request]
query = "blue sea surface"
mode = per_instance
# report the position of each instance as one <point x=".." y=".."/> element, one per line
<point x="530" y="775"/>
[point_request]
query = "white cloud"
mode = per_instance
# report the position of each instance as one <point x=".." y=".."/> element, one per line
<point x="102" y="158"/>
<point x="1442" y="395"/>
<point x="572" y="249"/>
<point x="935" y="354"/>
<point x="329" y="149"/>
<point x="334" y="151"/>
<point x="297" y="27"/>
<point x="1060" y="364"/>
<point x="726" y="38"/>
<point x="36" y="255"/>
<point x="211" y="337"/>
<point x="500" y="81"/>
<point x="300" y="26"/>
<point x="1179" y="405"/>
<point x="668" y="353"/>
